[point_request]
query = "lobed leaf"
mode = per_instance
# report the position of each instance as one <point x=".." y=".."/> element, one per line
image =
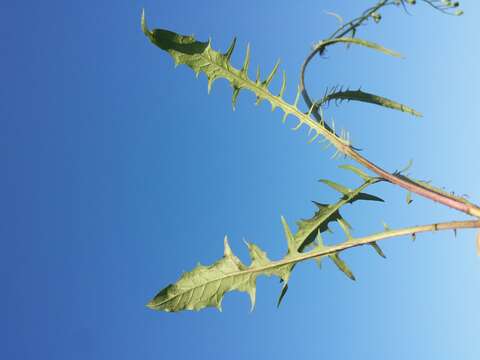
<point x="200" y="57"/>
<point x="205" y="286"/>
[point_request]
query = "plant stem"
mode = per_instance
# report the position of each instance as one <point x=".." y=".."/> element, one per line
<point x="354" y="242"/>
<point x="444" y="199"/>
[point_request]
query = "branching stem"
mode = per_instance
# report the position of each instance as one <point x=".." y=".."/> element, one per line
<point x="401" y="181"/>
<point x="354" y="242"/>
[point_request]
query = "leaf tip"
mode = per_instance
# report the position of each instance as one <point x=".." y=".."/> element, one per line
<point x="378" y="249"/>
<point x="151" y="305"/>
<point x="282" y="294"/>
<point x="252" y="294"/>
<point x="143" y="22"/>
<point x="227" y="250"/>
<point x="409" y="198"/>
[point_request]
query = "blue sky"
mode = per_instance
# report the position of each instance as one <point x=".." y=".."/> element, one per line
<point x="120" y="173"/>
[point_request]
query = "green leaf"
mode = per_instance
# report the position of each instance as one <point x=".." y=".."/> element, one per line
<point x="320" y="246"/>
<point x="292" y="246"/>
<point x="361" y="96"/>
<point x="356" y="41"/>
<point x="342" y="266"/>
<point x="345" y="227"/>
<point x="282" y="294"/>
<point x="367" y="197"/>
<point x="356" y="171"/>
<point x="309" y="228"/>
<point x="406" y="168"/>
<point x="340" y="188"/>
<point x="378" y="249"/>
<point x="409" y="197"/>
<point x="200" y="57"/>
<point x="338" y="17"/>
<point x="358" y="95"/>
<point x="205" y="286"/>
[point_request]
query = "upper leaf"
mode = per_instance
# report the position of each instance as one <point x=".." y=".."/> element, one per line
<point x="358" y="95"/>
<point x="200" y="57"/>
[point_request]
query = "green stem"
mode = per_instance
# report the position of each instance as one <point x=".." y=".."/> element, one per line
<point x="354" y="242"/>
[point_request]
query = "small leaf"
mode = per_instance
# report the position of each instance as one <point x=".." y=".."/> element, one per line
<point x="409" y="197"/>
<point x="229" y="52"/>
<point x="282" y="294"/>
<point x="378" y="249"/>
<point x="284" y="84"/>
<point x="342" y="266"/>
<point x="357" y="171"/>
<point x="236" y="91"/>
<point x="345" y="227"/>
<point x="290" y="238"/>
<point x="269" y="78"/>
<point x="361" y="96"/>
<point x="357" y="41"/>
<point x="320" y="247"/>
<point x="340" y="188"/>
<point x="406" y="168"/>
<point x="246" y="62"/>
<point x="319" y="241"/>
<point x="367" y="197"/>
<point x="144" y="24"/>
<point x="318" y="261"/>
<point x="338" y="17"/>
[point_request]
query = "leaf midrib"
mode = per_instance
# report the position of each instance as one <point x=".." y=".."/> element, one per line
<point x="279" y="102"/>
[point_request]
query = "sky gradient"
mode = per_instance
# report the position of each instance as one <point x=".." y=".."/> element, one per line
<point x="120" y="173"/>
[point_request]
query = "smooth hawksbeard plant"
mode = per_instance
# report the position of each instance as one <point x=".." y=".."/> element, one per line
<point x="205" y="286"/>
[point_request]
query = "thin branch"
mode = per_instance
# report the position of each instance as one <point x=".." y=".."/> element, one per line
<point x="413" y="230"/>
